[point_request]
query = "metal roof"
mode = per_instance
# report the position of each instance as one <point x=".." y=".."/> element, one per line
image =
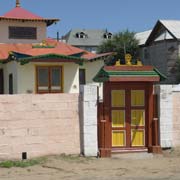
<point x="93" y="37"/>
<point x="142" y="36"/>
<point x="172" y="26"/>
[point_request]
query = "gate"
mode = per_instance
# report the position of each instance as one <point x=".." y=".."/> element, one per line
<point x="127" y="117"/>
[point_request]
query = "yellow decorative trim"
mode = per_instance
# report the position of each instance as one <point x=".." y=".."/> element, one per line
<point x="128" y="61"/>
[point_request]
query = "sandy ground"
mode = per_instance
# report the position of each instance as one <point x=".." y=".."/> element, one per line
<point x="166" y="166"/>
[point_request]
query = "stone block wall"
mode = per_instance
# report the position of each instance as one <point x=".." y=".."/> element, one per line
<point x="39" y="125"/>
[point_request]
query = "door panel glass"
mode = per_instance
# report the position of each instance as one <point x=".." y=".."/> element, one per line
<point x="43" y="76"/>
<point x="118" y="118"/>
<point x="55" y="77"/>
<point x="118" y="98"/>
<point x="137" y="137"/>
<point x="137" y="117"/>
<point x="118" y="138"/>
<point x="137" y="97"/>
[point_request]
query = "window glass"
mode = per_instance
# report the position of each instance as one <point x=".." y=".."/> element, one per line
<point x="49" y="79"/>
<point x="22" y="32"/>
<point x="43" y="76"/>
<point x="55" y="78"/>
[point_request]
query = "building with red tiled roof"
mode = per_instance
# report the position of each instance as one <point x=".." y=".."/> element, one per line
<point x="32" y="63"/>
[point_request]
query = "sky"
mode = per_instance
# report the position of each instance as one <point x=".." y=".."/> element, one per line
<point x="113" y="15"/>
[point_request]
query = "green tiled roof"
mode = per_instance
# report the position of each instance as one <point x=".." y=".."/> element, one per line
<point x="24" y="59"/>
<point x="104" y="75"/>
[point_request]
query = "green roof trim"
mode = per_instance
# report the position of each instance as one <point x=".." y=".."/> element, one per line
<point x="162" y="76"/>
<point x="24" y="59"/>
<point x="104" y="75"/>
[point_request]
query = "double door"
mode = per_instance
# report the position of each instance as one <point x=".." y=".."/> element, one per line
<point x="128" y="117"/>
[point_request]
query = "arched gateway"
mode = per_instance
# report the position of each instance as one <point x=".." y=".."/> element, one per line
<point x="127" y="118"/>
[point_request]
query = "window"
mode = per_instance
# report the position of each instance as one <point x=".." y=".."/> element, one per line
<point x="107" y="35"/>
<point x="10" y="83"/>
<point x="22" y="32"/>
<point x="81" y="35"/>
<point x="49" y="79"/>
<point x="82" y="76"/>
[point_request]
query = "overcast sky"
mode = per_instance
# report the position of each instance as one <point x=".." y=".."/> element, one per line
<point x="114" y="15"/>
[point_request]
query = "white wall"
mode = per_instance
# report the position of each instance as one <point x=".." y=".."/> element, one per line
<point x="165" y="98"/>
<point x="26" y="77"/>
<point x="10" y="68"/>
<point x="4" y="31"/>
<point x="92" y="68"/>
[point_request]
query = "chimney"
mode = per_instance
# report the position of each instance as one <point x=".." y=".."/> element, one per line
<point x="17" y="3"/>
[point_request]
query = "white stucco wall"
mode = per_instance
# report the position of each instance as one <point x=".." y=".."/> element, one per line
<point x="10" y="68"/>
<point x="92" y="68"/>
<point x="4" y="38"/>
<point x="26" y="77"/>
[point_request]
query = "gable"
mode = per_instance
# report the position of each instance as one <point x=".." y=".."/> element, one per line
<point x="164" y="30"/>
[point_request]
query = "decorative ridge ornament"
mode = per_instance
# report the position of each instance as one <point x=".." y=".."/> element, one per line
<point x="17" y="3"/>
<point x="128" y="61"/>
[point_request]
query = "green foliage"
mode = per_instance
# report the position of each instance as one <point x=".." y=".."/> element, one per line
<point x="121" y="43"/>
<point x="23" y="163"/>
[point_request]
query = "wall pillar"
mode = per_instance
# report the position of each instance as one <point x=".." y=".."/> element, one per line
<point x="88" y="123"/>
<point x="165" y="109"/>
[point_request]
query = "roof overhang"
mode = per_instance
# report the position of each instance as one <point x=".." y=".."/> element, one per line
<point x="128" y="74"/>
<point x="24" y="59"/>
<point x="47" y="21"/>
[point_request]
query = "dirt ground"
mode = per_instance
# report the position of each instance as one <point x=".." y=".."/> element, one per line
<point x="166" y="166"/>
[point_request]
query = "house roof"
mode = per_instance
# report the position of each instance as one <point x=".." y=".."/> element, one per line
<point x="19" y="13"/>
<point x="50" y="49"/>
<point x="35" y="49"/>
<point x="93" y="37"/>
<point x="165" y="29"/>
<point x="142" y="36"/>
<point x="128" y="73"/>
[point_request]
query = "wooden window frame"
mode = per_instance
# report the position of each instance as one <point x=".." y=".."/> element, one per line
<point x="16" y="32"/>
<point x="49" y="79"/>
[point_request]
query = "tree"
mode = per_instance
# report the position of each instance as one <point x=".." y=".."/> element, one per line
<point x="122" y="43"/>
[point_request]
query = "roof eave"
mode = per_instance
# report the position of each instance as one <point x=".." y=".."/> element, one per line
<point x="47" y="21"/>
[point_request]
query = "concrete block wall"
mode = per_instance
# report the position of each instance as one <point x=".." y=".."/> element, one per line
<point x="165" y="98"/>
<point x="169" y="114"/>
<point x="176" y="116"/>
<point x="89" y="120"/>
<point x="39" y="125"/>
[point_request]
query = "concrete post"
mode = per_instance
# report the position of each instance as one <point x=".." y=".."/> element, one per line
<point x="89" y="120"/>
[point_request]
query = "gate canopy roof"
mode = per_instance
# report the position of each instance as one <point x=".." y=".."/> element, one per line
<point x="129" y="74"/>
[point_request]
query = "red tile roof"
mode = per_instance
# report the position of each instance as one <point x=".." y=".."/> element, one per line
<point x="60" y="48"/>
<point x="52" y="47"/>
<point x="19" y="13"/>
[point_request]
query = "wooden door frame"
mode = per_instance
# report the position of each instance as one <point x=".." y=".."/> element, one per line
<point x="107" y="110"/>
